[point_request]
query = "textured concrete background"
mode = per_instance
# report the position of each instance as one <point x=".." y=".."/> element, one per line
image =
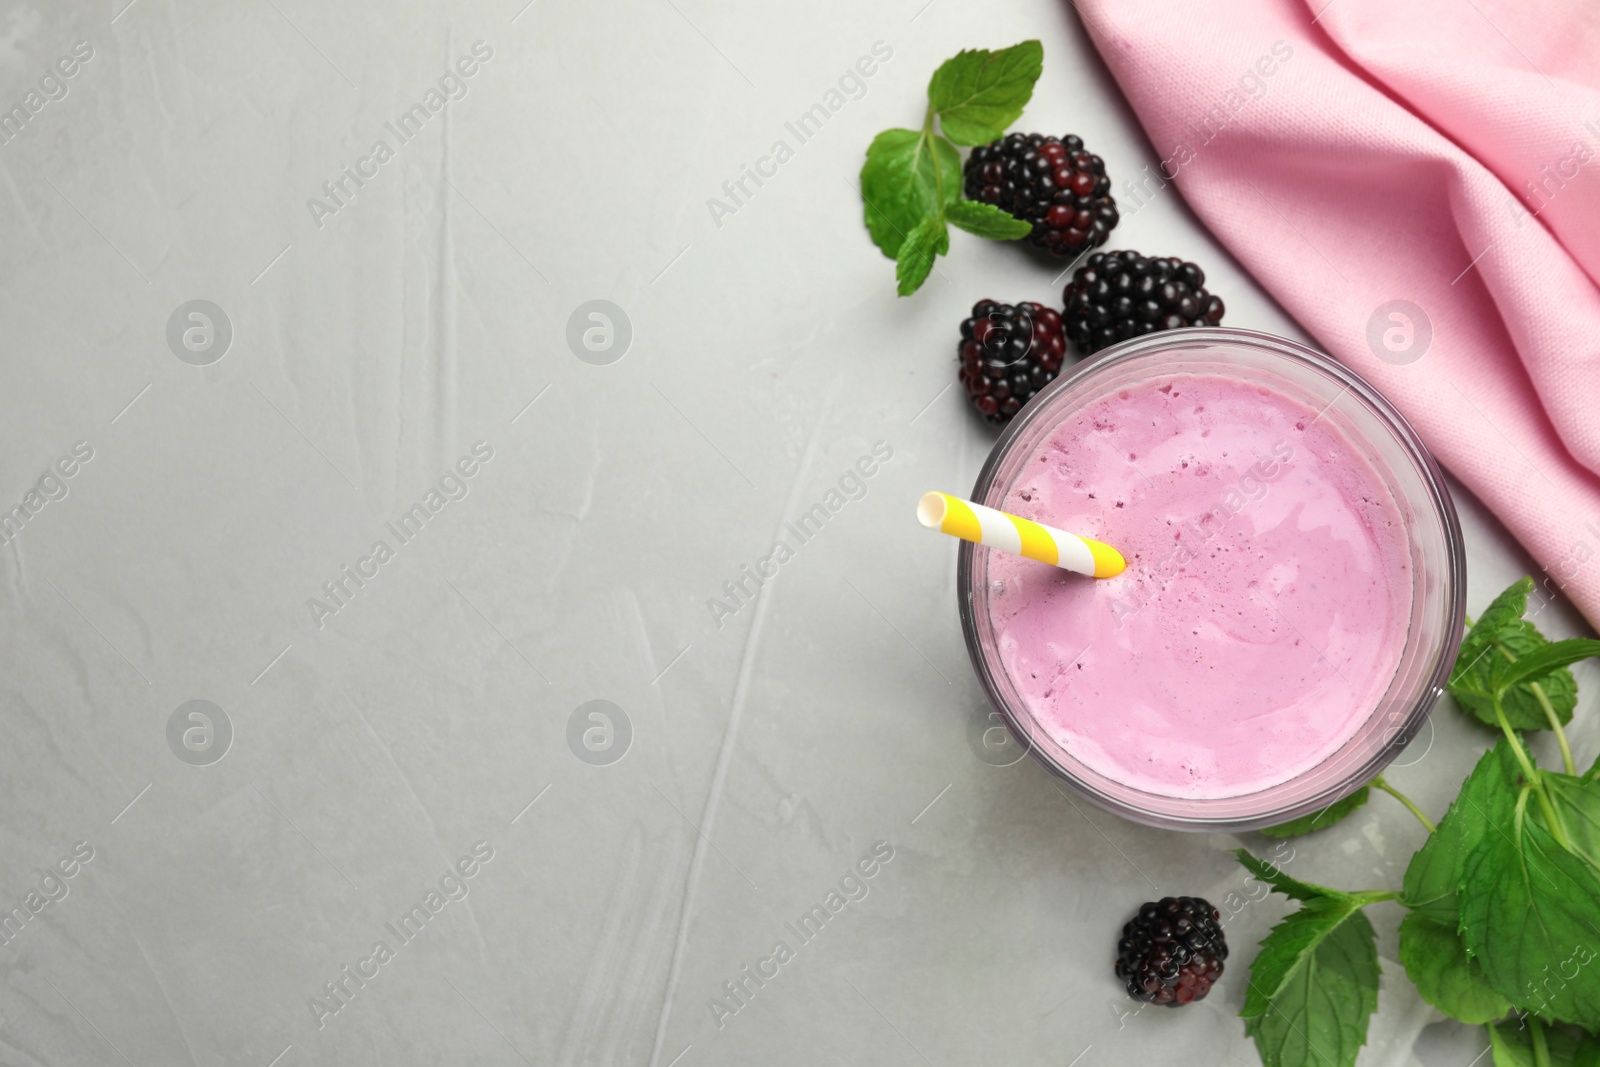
<point x="581" y="880"/>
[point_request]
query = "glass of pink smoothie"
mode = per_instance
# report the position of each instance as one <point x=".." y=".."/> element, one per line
<point x="1293" y="599"/>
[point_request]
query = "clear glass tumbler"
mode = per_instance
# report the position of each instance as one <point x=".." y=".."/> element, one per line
<point x="1392" y="448"/>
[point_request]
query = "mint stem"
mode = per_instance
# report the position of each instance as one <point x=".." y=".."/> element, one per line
<point x="1535" y="783"/>
<point x="1516" y="744"/>
<point x="1379" y="783"/>
<point x="1556" y="826"/>
<point x="1549" y="714"/>
<point x="1541" y="1048"/>
<point x="1559" y="830"/>
<point x="938" y="172"/>
<point x="1555" y="726"/>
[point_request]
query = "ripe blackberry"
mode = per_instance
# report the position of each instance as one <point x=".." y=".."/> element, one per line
<point x="1118" y="295"/>
<point x="1171" y="952"/>
<point x="1048" y="181"/>
<point x="1008" y="354"/>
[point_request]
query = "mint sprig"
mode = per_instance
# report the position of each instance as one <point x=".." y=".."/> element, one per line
<point x="1502" y="925"/>
<point x="1314" y="984"/>
<point x="911" y="180"/>
<point x="1516" y="853"/>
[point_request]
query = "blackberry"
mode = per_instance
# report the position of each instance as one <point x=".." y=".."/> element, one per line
<point x="1008" y="353"/>
<point x="1048" y="181"/>
<point x="1171" y="952"/>
<point x="1118" y="295"/>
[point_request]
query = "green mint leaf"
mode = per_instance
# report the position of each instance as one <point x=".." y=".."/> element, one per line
<point x="929" y="238"/>
<point x="986" y="220"/>
<point x="1513" y="1045"/>
<point x="1535" y="665"/>
<point x="1501" y="637"/>
<point x="909" y="176"/>
<point x="1505" y="609"/>
<point x="1474" y="687"/>
<point x="893" y="201"/>
<point x="1560" y="691"/>
<point x="1585" y="1048"/>
<point x="1314" y="984"/>
<point x="1289" y="948"/>
<point x="911" y="179"/>
<point x="1576" y="803"/>
<point x="1485" y="804"/>
<point x="1435" y="958"/>
<point x="978" y="93"/>
<point x="1320" y="820"/>
<point x="1513" y="1039"/>
<point x="1273" y="875"/>
<point x="1314" y="987"/>
<point x="1472" y="694"/>
<point x="1469" y="679"/>
<point x="1528" y="916"/>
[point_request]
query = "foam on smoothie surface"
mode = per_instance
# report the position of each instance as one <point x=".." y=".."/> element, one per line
<point x="1265" y="604"/>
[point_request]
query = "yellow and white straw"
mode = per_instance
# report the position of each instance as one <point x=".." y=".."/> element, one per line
<point x="1019" y="536"/>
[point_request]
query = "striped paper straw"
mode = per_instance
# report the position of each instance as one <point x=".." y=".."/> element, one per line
<point x="1019" y="536"/>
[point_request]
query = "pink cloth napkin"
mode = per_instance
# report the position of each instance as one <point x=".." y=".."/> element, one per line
<point x="1440" y="152"/>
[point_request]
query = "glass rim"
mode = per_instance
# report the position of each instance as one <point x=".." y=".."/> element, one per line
<point x="1455" y="578"/>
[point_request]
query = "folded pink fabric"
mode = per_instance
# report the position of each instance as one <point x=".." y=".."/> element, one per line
<point x="1445" y="153"/>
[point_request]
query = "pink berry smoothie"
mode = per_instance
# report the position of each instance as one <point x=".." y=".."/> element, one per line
<point x="1266" y="601"/>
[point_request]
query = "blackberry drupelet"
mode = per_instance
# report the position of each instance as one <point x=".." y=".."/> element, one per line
<point x="1118" y="295"/>
<point x="1008" y="353"/>
<point x="1050" y="182"/>
<point x="1172" y="951"/>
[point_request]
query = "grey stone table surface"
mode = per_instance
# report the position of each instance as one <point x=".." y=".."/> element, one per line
<point x="396" y="746"/>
